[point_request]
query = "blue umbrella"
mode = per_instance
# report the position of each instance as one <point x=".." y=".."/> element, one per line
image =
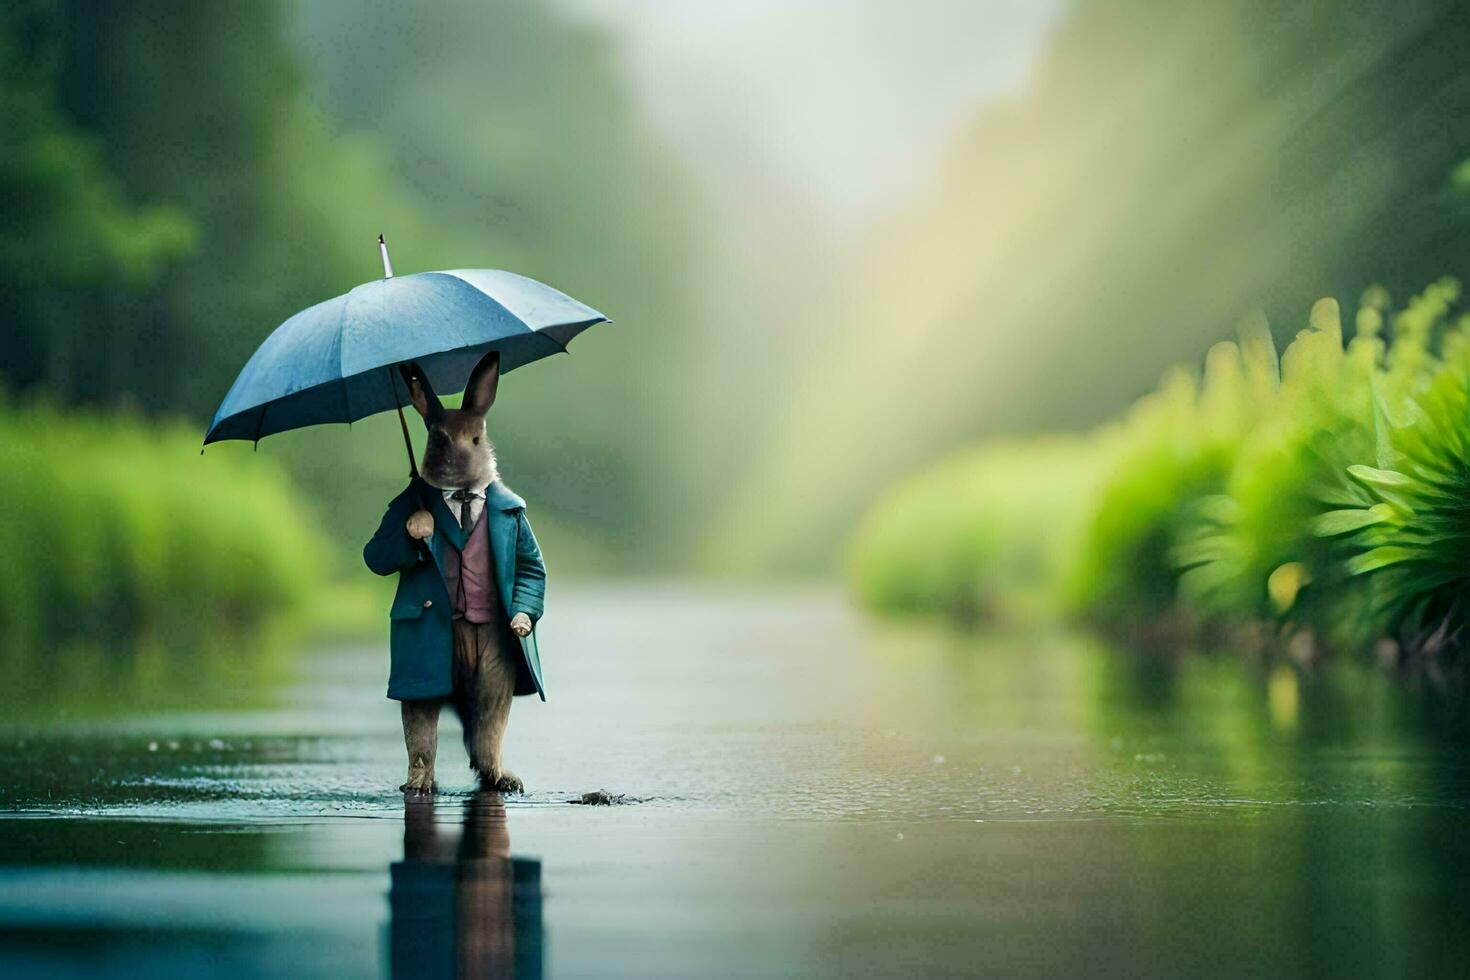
<point x="336" y="361"/>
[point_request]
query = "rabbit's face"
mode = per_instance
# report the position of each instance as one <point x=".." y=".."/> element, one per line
<point x="458" y="453"/>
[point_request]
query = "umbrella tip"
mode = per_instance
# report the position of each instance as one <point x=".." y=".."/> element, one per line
<point x="387" y="263"/>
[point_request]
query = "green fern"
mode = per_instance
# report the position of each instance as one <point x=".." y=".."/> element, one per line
<point x="1411" y="538"/>
<point x="1327" y="492"/>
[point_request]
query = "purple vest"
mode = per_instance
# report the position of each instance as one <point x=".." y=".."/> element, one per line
<point x="470" y="576"/>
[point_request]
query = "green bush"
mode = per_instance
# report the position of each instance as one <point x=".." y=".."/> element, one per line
<point x="1172" y="452"/>
<point x="1251" y="550"/>
<point x="981" y="535"/>
<point x="1325" y="495"/>
<point x="115" y="531"/>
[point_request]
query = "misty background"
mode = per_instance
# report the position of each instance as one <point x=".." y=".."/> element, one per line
<point x="836" y="239"/>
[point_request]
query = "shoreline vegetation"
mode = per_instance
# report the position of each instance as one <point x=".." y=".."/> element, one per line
<point x="116" y="552"/>
<point x="1309" y="502"/>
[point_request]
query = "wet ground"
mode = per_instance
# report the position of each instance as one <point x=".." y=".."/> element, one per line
<point x="804" y="793"/>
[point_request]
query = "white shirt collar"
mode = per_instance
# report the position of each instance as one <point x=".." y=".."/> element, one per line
<point x="477" y="489"/>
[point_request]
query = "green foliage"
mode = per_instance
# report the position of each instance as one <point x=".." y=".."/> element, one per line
<point x="1329" y="496"/>
<point x="64" y="218"/>
<point x="1165" y="162"/>
<point x="179" y="178"/>
<point x="1168" y="458"/>
<point x="1411" y="531"/>
<point x="980" y="535"/>
<point x="1292" y="464"/>
<point x="110" y="541"/>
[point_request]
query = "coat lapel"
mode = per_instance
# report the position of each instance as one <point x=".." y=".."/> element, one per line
<point x="503" y="549"/>
<point x="446" y="525"/>
<point x="501" y="507"/>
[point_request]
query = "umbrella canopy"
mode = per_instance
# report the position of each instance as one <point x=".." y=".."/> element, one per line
<point x="335" y="362"/>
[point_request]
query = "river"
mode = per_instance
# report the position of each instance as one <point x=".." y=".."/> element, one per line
<point x="806" y="793"/>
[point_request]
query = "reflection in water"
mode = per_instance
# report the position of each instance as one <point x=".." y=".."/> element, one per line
<point x="461" y="905"/>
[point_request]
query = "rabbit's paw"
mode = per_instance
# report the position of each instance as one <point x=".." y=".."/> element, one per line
<point x="506" y="782"/>
<point x="420" y="524"/>
<point x="420" y="784"/>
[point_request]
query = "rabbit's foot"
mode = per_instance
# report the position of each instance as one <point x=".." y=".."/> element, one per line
<point x="505" y="782"/>
<point x="420" y="783"/>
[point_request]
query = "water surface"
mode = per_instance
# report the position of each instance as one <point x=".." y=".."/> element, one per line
<point x="817" y="795"/>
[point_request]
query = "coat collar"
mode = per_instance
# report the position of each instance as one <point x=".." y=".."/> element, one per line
<point x="501" y="497"/>
<point x="497" y="496"/>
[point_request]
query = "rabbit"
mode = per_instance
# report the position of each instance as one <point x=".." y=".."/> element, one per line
<point x="466" y="593"/>
<point x="458" y="453"/>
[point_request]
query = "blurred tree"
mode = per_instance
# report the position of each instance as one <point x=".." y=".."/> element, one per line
<point x="73" y="245"/>
<point x="178" y="178"/>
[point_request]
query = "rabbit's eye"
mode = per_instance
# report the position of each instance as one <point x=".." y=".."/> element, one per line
<point x="477" y="440"/>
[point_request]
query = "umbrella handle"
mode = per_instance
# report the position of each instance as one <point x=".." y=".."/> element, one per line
<point x="413" y="467"/>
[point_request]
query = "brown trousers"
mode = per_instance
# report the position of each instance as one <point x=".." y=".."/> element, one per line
<point x="484" y="684"/>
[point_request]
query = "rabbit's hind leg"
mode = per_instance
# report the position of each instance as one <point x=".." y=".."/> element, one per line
<point x="495" y="683"/>
<point x="421" y="739"/>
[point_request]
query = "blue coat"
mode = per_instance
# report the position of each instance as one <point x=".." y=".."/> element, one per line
<point x="422" y="642"/>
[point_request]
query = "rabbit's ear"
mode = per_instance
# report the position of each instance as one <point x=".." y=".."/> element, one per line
<point x="420" y="392"/>
<point x="479" y="394"/>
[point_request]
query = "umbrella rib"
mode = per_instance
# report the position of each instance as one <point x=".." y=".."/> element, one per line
<point x="512" y="314"/>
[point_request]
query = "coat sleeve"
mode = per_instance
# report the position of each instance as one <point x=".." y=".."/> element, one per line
<point x="391" y="549"/>
<point x="529" y="595"/>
